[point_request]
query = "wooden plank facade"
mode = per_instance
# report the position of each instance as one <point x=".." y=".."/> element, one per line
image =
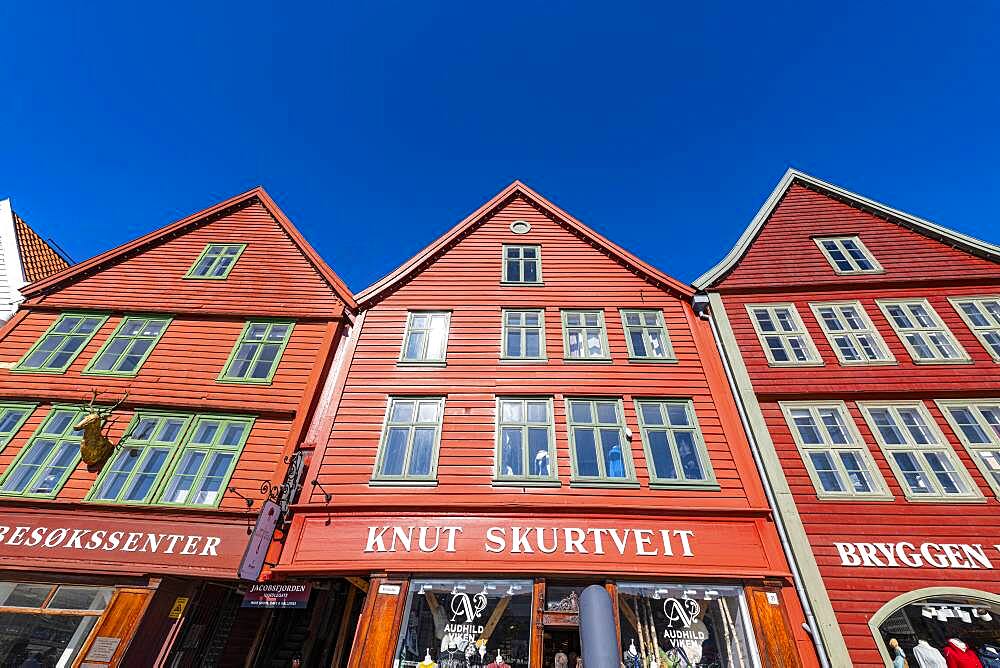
<point x="460" y="521"/>
<point x="855" y="538"/>
<point x="152" y="574"/>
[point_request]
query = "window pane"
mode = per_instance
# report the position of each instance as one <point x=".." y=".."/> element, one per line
<point x="607" y="412"/>
<point x="586" y="452"/>
<point x="24" y="595"/>
<point x="81" y="598"/>
<point x="612" y="449"/>
<point x="688" y="452"/>
<point x="857" y="472"/>
<point x="511" y="452"/>
<point x="581" y="411"/>
<point x="531" y="271"/>
<point x="651" y="413"/>
<point x="512" y="411"/>
<point x="514" y="343"/>
<point x="423" y="449"/>
<point x="395" y="451"/>
<point x="532" y="343"/>
<point x="538" y="411"/>
<point x="402" y="411"/>
<point x="638" y="343"/>
<point x="663" y="460"/>
<point x="538" y="451"/>
<point x="427" y="411"/>
<point x="829" y="477"/>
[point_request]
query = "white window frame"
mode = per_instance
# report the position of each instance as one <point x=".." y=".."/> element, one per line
<point x="800" y="331"/>
<point x="504" y="354"/>
<point x="853" y="261"/>
<point x="941" y="447"/>
<point x="981" y="331"/>
<point x="939" y="327"/>
<point x="526" y="479"/>
<point x="852" y="335"/>
<point x="403" y="359"/>
<point x="978" y="452"/>
<point x="880" y="490"/>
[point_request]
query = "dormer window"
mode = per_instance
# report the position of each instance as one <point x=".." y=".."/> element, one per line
<point x="847" y="255"/>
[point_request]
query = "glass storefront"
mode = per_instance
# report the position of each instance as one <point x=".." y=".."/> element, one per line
<point x="46" y="625"/>
<point x="683" y="625"/>
<point x="934" y="629"/>
<point x="466" y="624"/>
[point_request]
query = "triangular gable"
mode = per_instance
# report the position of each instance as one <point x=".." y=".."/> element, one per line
<point x="254" y="199"/>
<point x="483" y="213"/>
<point x="38" y="259"/>
<point x="951" y="238"/>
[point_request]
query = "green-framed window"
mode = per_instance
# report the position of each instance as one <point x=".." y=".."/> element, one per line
<point x="12" y="417"/>
<point x="128" y="347"/>
<point x="47" y="459"/>
<point x="522" y="265"/>
<point x="426" y="337"/>
<point x="216" y="261"/>
<point x="526" y="449"/>
<point x="585" y="336"/>
<point x="408" y="451"/>
<point x="256" y="355"/>
<point x="675" y="450"/>
<point x="61" y="343"/>
<point x="836" y="457"/>
<point x="134" y="472"/>
<point x="646" y="335"/>
<point x="598" y="449"/>
<point x="918" y="453"/>
<point x="205" y="461"/>
<point x="523" y="334"/>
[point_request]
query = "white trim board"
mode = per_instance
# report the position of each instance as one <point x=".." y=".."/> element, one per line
<point x="925" y="227"/>
<point x="11" y="261"/>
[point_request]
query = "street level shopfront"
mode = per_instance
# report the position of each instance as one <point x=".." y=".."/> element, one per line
<point x="86" y="587"/>
<point x="462" y="591"/>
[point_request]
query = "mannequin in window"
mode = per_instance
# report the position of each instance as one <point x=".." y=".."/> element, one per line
<point x="898" y="656"/>
<point x="631" y="659"/>
<point x="560" y="660"/>
<point x="928" y="656"/>
<point x="989" y="655"/>
<point x="452" y="657"/>
<point x="498" y="662"/>
<point x="959" y="655"/>
<point x="428" y="662"/>
<point x="616" y="465"/>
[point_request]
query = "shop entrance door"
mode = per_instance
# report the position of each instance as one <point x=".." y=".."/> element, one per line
<point x="560" y="647"/>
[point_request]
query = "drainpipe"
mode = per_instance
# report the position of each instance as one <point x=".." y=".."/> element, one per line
<point x="700" y="303"/>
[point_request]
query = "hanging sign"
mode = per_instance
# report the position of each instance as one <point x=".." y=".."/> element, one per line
<point x="277" y="595"/>
<point x="910" y="555"/>
<point x="260" y="540"/>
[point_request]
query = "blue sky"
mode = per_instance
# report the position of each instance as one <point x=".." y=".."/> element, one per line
<point x="376" y="126"/>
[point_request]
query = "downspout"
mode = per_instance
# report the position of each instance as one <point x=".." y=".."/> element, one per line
<point x="700" y="303"/>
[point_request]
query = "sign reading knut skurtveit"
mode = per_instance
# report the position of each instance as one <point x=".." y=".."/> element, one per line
<point x="524" y="543"/>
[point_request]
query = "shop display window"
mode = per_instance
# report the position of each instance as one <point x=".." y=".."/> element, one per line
<point x="684" y="625"/>
<point x="466" y="624"/>
<point x="948" y="629"/>
<point x="47" y="625"/>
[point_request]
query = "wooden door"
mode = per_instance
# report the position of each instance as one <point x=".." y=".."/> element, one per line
<point x="114" y="630"/>
<point x="772" y="628"/>
<point x="378" y="628"/>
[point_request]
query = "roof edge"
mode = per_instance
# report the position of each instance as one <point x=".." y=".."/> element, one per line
<point x="258" y="192"/>
<point x="517" y="187"/>
<point x="927" y="228"/>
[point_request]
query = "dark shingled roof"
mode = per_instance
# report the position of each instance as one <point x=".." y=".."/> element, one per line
<point x="38" y="258"/>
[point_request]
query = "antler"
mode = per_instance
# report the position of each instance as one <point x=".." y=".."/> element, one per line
<point x="119" y="402"/>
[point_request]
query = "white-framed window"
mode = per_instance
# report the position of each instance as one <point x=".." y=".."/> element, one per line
<point x="426" y="337"/>
<point x="976" y="422"/>
<point x="646" y="335"/>
<point x="847" y="255"/>
<point x="851" y="333"/>
<point x="982" y="315"/>
<point x="584" y="335"/>
<point x="523" y="334"/>
<point x="411" y="437"/>
<point x="924" y="462"/>
<point x="837" y="459"/>
<point x="923" y="333"/>
<point x="676" y="455"/>
<point x="526" y="443"/>
<point x="522" y="264"/>
<point x="783" y="335"/>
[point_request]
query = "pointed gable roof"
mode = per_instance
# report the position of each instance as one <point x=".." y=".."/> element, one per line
<point x="516" y="189"/>
<point x="38" y="258"/>
<point x="952" y="238"/>
<point x="258" y="195"/>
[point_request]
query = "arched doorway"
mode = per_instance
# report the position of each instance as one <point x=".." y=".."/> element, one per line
<point x="922" y="622"/>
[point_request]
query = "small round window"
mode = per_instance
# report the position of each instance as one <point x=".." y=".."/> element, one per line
<point x="520" y="227"/>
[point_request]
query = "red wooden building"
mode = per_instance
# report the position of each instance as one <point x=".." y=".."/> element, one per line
<point x="864" y="343"/>
<point x="209" y="339"/>
<point x="523" y="409"/>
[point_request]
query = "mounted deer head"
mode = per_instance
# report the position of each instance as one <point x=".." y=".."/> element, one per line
<point x="96" y="447"/>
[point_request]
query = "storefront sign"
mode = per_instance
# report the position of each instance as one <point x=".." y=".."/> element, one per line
<point x="522" y="543"/>
<point x="74" y="540"/>
<point x="103" y="649"/>
<point x="260" y="540"/>
<point x="277" y="595"/>
<point x="910" y="555"/>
